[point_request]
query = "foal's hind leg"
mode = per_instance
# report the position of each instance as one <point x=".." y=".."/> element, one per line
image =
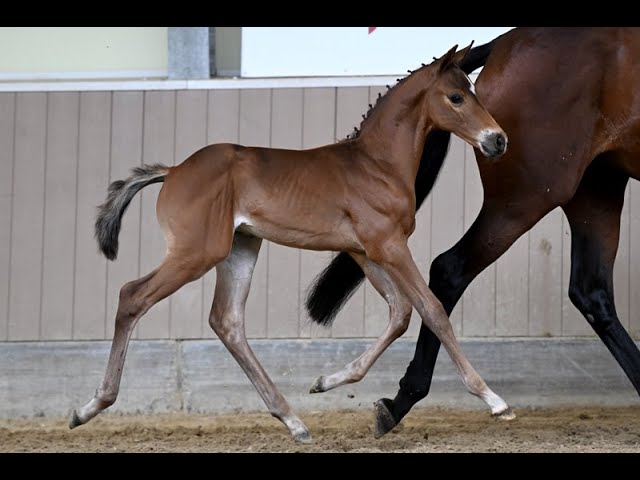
<point x="399" y="316"/>
<point x="227" y="320"/>
<point x="135" y="299"/>
<point x="594" y="216"/>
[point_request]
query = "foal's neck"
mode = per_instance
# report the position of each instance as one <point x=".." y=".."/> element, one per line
<point x="393" y="134"/>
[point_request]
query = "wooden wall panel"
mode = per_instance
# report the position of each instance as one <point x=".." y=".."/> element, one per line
<point x="29" y="175"/>
<point x="7" y="133"/>
<point x="94" y="150"/>
<point x="60" y="215"/>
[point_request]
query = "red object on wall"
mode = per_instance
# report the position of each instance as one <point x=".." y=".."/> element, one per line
<point x="371" y="29"/>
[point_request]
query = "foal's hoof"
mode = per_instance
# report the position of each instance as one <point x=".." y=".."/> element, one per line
<point x="317" y="386"/>
<point x="303" y="437"/>
<point x="74" y="420"/>
<point x="505" y="414"/>
<point x="384" y="421"/>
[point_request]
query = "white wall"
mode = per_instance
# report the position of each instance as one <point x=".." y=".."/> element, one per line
<point x="43" y="53"/>
<point x="337" y="51"/>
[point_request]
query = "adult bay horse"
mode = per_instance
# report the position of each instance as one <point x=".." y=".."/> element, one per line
<point x="355" y="196"/>
<point x="568" y="99"/>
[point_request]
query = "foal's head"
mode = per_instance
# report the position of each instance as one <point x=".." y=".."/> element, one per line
<point x="453" y="106"/>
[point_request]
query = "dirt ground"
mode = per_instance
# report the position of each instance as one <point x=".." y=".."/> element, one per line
<point x="588" y="429"/>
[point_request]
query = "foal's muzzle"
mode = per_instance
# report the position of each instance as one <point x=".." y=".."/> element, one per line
<point x="494" y="144"/>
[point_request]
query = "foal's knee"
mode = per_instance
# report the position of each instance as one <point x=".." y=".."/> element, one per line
<point x="400" y="314"/>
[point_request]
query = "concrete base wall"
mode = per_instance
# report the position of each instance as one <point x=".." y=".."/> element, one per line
<point x="49" y="379"/>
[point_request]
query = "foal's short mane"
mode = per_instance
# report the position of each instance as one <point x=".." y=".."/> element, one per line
<point x="380" y="100"/>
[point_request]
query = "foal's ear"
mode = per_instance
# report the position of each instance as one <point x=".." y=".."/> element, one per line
<point x="447" y="59"/>
<point x="462" y="54"/>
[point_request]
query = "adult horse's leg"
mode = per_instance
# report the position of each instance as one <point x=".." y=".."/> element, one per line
<point x="594" y="216"/>
<point x="399" y="316"/>
<point x="233" y="282"/>
<point x="135" y="299"/>
<point x="395" y="258"/>
<point x="500" y="223"/>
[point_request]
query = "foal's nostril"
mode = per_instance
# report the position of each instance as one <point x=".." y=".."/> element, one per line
<point x="494" y="144"/>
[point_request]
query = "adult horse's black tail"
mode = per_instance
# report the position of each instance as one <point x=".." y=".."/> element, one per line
<point x="331" y="289"/>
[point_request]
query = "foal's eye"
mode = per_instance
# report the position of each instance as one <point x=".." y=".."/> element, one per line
<point x="456" y="99"/>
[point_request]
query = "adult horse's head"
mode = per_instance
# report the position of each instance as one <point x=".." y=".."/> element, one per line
<point x="454" y="107"/>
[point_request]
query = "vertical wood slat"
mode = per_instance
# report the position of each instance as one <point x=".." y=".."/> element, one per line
<point x="126" y="153"/>
<point x="60" y="215"/>
<point x="621" y="268"/>
<point x="191" y="135"/>
<point x="447" y="217"/>
<point x="512" y="290"/>
<point x="27" y="216"/>
<point x="634" y="259"/>
<point x="254" y="130"/>
<point x="351" y="104"/>
<point x="94" y="144"/>
<point x="318" y="121"/>
<point x="222" y="127"/>
<point x="157" y="147"/>
<point x="7" y="111"/>
<point x="545" y="276"/>
<point x="283" y="282"/>
<point x="479" y="300"/>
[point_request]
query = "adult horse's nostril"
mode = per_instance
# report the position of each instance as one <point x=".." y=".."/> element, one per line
<point x="501" y="142"/>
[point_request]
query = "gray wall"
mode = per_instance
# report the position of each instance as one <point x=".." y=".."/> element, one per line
<point x="61" y="149"/>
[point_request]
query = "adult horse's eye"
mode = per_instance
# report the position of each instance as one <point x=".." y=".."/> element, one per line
<point x="456" y="99"/>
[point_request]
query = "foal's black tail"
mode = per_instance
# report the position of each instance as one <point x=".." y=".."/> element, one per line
<point x="120" y="194"/>
<point x="331" y="289"/>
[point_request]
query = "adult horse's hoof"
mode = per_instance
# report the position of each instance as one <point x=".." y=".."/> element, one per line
<point x="74" y="420"/>
<point x="384" y="421"/>
<point x="507" y="414"/>
<point x="303" y="437"/>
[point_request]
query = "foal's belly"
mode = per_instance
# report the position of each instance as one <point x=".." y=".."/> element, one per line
<point x="301" y="234"/>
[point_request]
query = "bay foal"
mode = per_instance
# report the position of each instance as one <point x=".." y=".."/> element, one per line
<point x="355" y="196"/>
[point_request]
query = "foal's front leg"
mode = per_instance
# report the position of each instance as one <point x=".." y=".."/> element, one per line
<point x="399" y="315"/>
<point x="395" y="258"/>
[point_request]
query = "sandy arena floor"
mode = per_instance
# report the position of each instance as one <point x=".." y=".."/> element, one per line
<point x="588" y="429"/>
